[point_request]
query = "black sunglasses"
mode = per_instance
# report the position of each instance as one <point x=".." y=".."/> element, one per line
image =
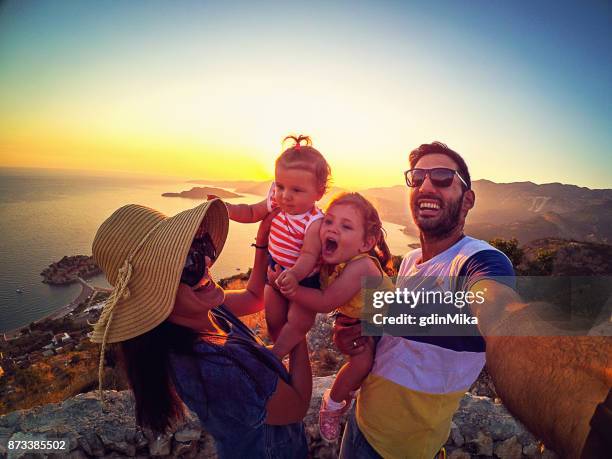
<point x="195" y="263"/>
<point x="441" y="177"/>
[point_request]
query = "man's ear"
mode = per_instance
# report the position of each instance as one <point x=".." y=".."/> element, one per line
<point x="469" y="199"/>
<point x="368" y="244"/>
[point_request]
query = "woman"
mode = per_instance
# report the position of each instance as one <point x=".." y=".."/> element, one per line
<point x="180" y="338"/>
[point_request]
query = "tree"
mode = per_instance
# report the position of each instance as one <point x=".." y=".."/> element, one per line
<point x="543" y="263"/>
<point x="511" y="248"/>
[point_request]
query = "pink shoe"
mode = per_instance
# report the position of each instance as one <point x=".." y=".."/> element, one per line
<point x="329" y="422"/>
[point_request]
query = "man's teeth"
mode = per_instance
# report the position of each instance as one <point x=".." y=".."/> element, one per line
<point x="429" y="205"/>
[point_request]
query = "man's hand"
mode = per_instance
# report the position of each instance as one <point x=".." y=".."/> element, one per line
<point x="288" y="284"/>
<point x="347" y="336"/>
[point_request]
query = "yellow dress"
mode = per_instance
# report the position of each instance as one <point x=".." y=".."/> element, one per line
<point x="353" y="307"/>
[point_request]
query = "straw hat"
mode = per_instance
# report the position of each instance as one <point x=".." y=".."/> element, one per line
<point x="143" y="252"/>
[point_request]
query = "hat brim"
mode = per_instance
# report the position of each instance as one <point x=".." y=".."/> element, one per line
<point x="156" y="271"/>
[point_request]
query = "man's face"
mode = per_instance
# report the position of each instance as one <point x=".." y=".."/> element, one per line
<point x="437" y="211"/>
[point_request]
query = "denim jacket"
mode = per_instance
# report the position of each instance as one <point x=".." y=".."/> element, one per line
<point x="227" y="383"/>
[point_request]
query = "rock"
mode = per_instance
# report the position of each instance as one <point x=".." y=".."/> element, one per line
<point x="509" y="449"/>
<point x="124" y="448"/>
<point x="206" y="448"/>
<point x="602" y="329"/>
<point x="320" y="337"/>
<point x="187" y="434"/>
<point x="532" y="450"/>
<point x="483" y="444"/>
<point x="116" y="441"/>
<point x="483" y="386"/>
<point x="91" y="444"/>
<point x="181" y="448"/>
<point x="455" y="435"/>
<point x="482" y="414"/>
<point x="77" y="454"/>
<point x="480" y="427"/>
<point x="548" y="454"/>
<point x="459" y="454"/>
<point x="160" y="445"/>
<point x="5" y="434"/>
<point x="139" y="439"/>
<point x="11" y="419"/>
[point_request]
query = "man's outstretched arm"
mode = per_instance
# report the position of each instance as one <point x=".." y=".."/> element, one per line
<point x="550" y="383"/>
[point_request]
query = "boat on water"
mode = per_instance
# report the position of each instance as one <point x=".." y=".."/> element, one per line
<point x="19" y="290"/>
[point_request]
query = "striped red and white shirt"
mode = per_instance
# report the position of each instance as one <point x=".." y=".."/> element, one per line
<point x="287" y="232"/>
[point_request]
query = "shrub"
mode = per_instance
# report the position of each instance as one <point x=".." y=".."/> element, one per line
<point x="511" y="248"/>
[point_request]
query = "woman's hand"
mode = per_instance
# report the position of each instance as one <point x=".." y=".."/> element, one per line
<point x="347" y="336"/>
<point x="264" y="229"/>
<point x="273" y="275"/>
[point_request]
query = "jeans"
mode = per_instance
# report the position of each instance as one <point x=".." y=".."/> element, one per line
<point x="354" y="445"/>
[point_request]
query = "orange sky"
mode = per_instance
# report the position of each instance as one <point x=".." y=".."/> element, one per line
<point x="209" y="91"/>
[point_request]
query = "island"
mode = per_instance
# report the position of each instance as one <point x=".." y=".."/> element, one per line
<point x="69" y="269"/>
<point x="202" y="192"/>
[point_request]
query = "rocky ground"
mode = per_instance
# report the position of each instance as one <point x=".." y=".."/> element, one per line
<point x="481" y="428"/>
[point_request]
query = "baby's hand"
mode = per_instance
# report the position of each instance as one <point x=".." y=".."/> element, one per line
<point x="273" y="275"/>
<point x="287" y="283"/>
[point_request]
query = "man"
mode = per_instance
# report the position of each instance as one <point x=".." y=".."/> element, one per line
<point x="552" y="384"/>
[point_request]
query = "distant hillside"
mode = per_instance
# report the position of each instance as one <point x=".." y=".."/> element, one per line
<point x="202" y="193"/>
<point x="523" y="210"/>
<point x="239" y="186"/>
<point x="259" y="188"/>
<point x="568" y="258"/>
<point x="590" y="222"/>
<point x="392" y="204"/>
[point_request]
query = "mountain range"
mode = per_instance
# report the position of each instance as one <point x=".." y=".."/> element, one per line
<point x="522" y="210"/>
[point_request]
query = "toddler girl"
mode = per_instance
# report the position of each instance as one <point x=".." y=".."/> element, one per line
<point x="301" y="177"/>
<point x="353" y="246"/>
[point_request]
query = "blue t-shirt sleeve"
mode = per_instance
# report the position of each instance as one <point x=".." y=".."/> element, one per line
<point x="486" y="264"/>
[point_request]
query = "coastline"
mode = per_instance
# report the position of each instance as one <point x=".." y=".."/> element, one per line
<point x="86" y="292"/>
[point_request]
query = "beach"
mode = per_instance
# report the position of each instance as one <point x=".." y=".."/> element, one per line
<point x="86" y="292"/>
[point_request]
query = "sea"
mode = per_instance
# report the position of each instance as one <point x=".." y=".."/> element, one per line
<point x="46" y="214"/>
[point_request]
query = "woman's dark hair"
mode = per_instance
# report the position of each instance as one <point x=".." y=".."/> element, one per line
<point x="441" y="149"/>
<point x="145" y="361"/>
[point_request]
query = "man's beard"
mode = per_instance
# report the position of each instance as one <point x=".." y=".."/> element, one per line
<point x="441" y="226"/>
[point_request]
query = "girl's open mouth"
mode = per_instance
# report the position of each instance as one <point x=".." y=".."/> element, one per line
<point x="329" y="246"/>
